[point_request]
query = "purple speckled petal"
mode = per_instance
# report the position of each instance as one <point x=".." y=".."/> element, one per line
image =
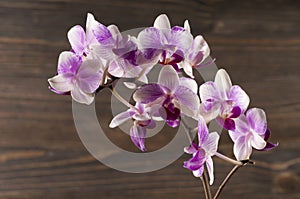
<point x="76" y="36"/>
<point x="196" y="161"/>
<point x="239" y="97"/>
<point x="68" y="62"/>
<point x="79" y="96"/>
<point x="102" y="34"/>
<point x="209" y="93"/>
<point x="257" y="120"/>
<point x="189" y="83"/>
<point x="148" y="93"/>
<point x="242" y="148"/>
<point x="202" y="131"/>
<point x="150" y="38"/>
<point x="89" y="76"/>
<point x="210" y="145"/>
<point x="187" y="98"/>
<point x="180" y="38"/>
<point x="137" y="135"/>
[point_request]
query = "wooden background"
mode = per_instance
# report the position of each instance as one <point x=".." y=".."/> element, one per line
<point x="41" y="155"/>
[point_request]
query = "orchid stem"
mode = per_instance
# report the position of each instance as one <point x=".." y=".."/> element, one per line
<point x="206" y="180"/>
<point x="223" y="157"/>
<point x="230" y="174"/>
<point x="122" y="100"/>
<point x="205" y="188"/>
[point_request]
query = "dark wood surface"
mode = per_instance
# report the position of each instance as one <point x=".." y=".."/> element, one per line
<point x="41" y="155"/>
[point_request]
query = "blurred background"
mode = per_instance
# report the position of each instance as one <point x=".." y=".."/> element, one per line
<point x="41" y="155"/>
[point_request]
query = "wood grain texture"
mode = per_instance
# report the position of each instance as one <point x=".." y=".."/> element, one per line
<point x="41" y="155"/>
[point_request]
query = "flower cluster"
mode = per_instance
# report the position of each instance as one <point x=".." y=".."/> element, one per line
<point x="100" y="55"/>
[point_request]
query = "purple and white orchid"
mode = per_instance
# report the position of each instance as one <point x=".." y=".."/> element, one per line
<point x="101" y="55"/>
<point x="203" y="152"/>
<point x="170" y="42"/>
<point x="80" y="78"/>
<point x="176" y="95"/>
<point x="251" y="131"/>
<point x="222" y="101"/>
<point x="142" y="119"/>
<point x="195" y="56"/>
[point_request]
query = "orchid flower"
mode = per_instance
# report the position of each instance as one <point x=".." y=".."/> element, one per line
<point x="170" y="42"/>
<point x="222" y="101"/>
<point x="142" y="120"/>
<point x="174" y="94"/>
<point x="203" y="152"/>
<point x="80" y="78"/>
<point x="81" y="41"/>
<point x="194" y="56"/>
<point x="251" y="131"/>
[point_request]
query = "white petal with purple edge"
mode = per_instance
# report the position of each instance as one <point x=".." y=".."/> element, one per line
<point x="199" y="44"/>
<point x="120" y="119"/>
<point x="199" y="172"/>
<point x="162" y="22"/>
<point x="181" y="38"/>
<point x="61" y="82"/>
<point x="76" y="36"/>
<point x="223" y="83"/>
<point x="239" y="96"/>
<point x="168" y="78"/>
<point x="257" y="120"/>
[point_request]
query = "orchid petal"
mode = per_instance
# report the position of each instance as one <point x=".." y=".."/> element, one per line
<point x="89" y="25"/>
<point x="239" y="96"/>
<point x="210" y="145"/>
<point x="211" y="114"/>
<point x="199" y="44"/>
<point x="89" y="76"/>
<point x="61" y="83"/>
<point x="210" y="169"/>
<point x="242" y="148"/>
<point x="209" y="92"/>
<point x="120" y="118"/>
<point x="196" y="161"/>
<point x="137" y="135"/>
<point x="82" y="97"/>
<point x="68" y="62"/>
<point x="202" y="131"/>
<point x="102" y="34"/>
<point x="226" y="123"/>
<point x="191" y="149"/>
<point x="257" y="120"/>
<point x="199" y="172"/>
<point x="181" y="38"/>
<point x="189" y="83"/>
<point x="187" y="26"/>
<point x="168" y="78"/>
<point x="187" y="98"/>
<point x="150" y="38"/>
<point x="223" y="83"/>
<point x="148" y="93"/>
<point x="162" y="22"/>
<point x="76" y="36"/>
<point x="257" y="141"/>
